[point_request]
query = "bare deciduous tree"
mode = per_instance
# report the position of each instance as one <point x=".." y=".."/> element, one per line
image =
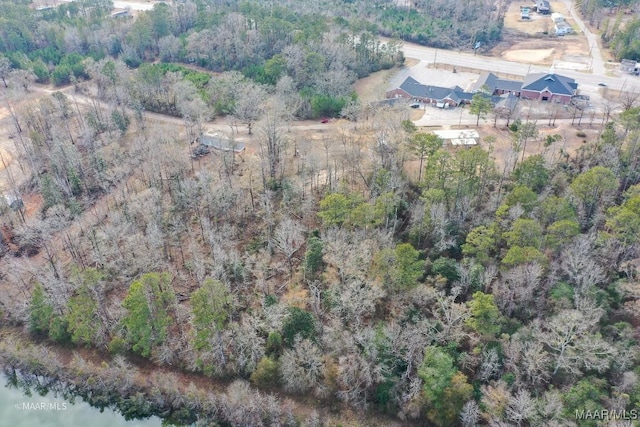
<point x="572" y="340"/>
<point x="470" y="414"/>
<point x="288" y="238"/>
<point x="302" y="368"/>
<point x="249" y="105"/>
<point x="357" y="299"/>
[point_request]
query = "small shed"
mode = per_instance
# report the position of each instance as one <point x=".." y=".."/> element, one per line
<point x="219" y="142"/>
<point x="629" y="66"/>
<point x="459" y="136"/>
<point x="121" y="13"/>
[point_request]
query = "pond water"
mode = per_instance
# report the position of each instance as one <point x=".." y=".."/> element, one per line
<point x="20" y="410"/>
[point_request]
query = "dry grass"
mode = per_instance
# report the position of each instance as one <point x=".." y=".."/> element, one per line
<point x="538" y="23"/>
<point x="525" y="41"/>
<point x="569" y="143"/>
<point x="374" y="86"/>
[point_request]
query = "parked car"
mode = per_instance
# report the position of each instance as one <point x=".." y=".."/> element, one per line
<point x="325" y="120"/>
<point x="415" y="105"/>
<point x="601" y="84"/>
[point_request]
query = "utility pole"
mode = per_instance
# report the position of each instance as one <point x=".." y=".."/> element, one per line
<point x="622" y="88"/>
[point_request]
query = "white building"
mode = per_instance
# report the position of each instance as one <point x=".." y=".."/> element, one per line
<point x="562" y="28"/>
<point x="459" y="136"/>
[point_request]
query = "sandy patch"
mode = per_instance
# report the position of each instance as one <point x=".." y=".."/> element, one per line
<point x="544" y="51"/>
<point x="528" y="55"/>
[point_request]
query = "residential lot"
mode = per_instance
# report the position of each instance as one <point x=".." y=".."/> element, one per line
<point x="536" y="23"/>
<point x="533" y="41"/>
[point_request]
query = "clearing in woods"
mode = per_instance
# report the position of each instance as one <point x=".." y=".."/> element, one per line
<point x="525" y="40"/>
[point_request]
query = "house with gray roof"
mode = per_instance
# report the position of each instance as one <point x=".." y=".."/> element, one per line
<point x="436" y="95"/>
<point x="505" y="104"/>
<point x="218" y="142"/>
<point x="549" y="87"/>
<point x="497" y="86"/>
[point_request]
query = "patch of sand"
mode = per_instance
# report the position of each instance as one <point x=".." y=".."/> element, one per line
<point x="528" y="55"/>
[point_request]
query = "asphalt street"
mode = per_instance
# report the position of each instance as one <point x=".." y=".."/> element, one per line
<point x="485" y="63"/>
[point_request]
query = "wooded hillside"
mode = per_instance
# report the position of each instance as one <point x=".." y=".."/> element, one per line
<point x="360" y="274"/>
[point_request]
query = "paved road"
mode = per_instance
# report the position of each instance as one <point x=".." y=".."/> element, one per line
<point x="428" y="55"/>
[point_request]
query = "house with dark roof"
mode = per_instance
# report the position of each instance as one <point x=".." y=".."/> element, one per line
<point x="496" y="85"/>
<point x="436" y="95"/>
<point x="542" y="7"/>
<point x="549" y="87"/>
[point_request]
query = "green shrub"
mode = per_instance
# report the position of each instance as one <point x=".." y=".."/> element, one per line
<point x="266" y="373"/>
<point x="298" y="322"/>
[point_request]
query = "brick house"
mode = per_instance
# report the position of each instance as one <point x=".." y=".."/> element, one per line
<point x="549" y="87"/>
<point x="440" y="96"/>
<point x="497" y="86"/>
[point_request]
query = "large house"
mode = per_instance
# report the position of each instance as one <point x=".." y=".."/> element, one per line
<point x="549" y="87"/>
<point x="544" y="87"/>
<point x="436" y="95"/>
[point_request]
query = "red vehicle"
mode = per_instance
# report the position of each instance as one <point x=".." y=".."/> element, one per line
<point x="325" y="120"/>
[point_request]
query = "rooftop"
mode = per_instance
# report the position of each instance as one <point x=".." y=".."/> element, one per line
<point x="459" y="136"/>
<point x="419" y="90"/>
<point x="219" y="142"/>
<point x="496" y="83"/>
<point x="552" y="82"/>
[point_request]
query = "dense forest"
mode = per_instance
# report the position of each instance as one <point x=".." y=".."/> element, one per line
<point x="372" y="276"/>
